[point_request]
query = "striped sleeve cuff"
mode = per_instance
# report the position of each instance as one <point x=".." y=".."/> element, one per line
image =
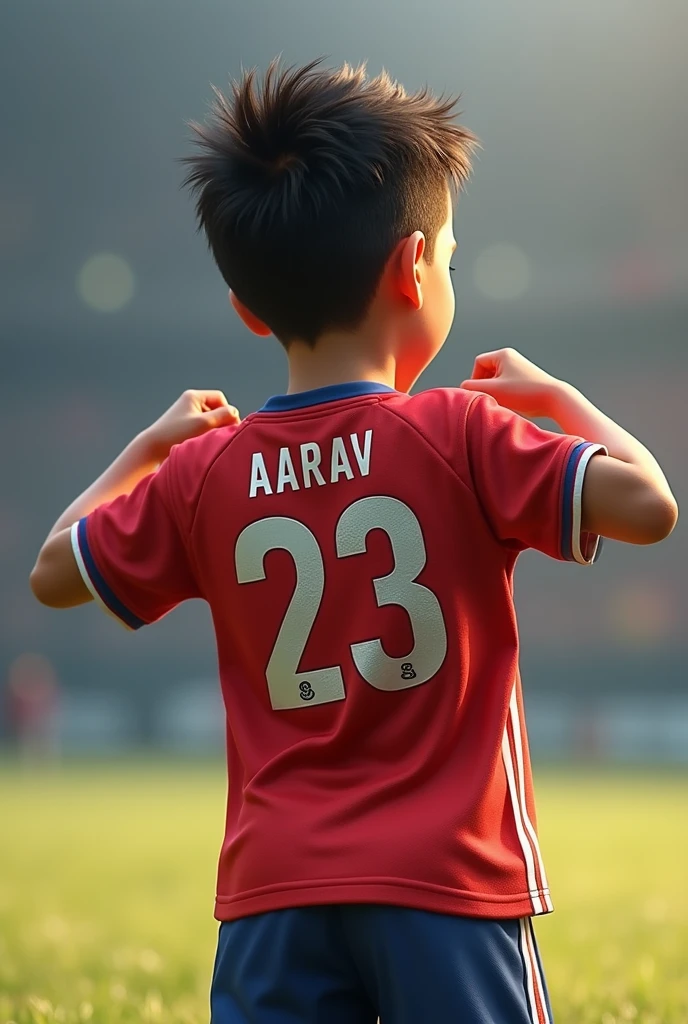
<point x="102" y="593"/>
<point x="576" y="546"/>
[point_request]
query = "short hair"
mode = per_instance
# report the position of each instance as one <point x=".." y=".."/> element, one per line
<point x="305" y="182"/>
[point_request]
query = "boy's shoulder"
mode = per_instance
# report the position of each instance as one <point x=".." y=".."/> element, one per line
<point x="441" y="400"/>
<point x="190" y="462"/>
<point x="440" y="415"/>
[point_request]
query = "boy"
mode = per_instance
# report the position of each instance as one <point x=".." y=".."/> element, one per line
<point x="356" y="547"/>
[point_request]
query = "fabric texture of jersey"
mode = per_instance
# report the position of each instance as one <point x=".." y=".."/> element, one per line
<point x="360" y="964"/>
<point x="356" y="547"/>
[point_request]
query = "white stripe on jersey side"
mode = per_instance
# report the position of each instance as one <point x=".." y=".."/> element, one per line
<point x="538" y="974"/>
<point x="518" y="744"/>
<point x="81" y="565"/>
<point x="528" y="963"/>
<point x="523" y="838"/>
<point x="578" y="505"/>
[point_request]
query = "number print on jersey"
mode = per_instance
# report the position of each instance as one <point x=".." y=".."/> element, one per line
<point x="400" y="587"/>
<point x="289" y="688"/>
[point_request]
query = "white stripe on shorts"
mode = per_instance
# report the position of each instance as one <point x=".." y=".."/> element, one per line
<point x="534" y="979"/>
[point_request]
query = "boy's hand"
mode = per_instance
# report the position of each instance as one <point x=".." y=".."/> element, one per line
<point x="514" y="382"/>
<point x="194" y="413"/>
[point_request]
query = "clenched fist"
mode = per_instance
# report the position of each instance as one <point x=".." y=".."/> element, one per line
<point x="194" y="413"/>
<point x="515" y="382"/>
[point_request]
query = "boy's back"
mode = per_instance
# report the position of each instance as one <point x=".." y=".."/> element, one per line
<point x="356" y="549"/>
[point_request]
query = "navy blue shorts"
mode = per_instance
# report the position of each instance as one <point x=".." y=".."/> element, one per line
<point x="353" y="964"/>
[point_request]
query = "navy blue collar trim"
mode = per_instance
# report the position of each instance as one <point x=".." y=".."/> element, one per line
<point x="331" y="393"/>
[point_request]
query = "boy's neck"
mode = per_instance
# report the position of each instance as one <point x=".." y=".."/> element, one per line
<point x="338" y="359"/>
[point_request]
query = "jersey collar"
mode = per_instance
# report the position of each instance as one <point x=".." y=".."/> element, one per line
<point x="330" y="393"/>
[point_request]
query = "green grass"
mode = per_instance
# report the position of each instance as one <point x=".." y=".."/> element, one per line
<point x="107" y="881"/>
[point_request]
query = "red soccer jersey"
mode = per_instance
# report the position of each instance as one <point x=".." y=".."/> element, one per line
<point x="356" y="547"/>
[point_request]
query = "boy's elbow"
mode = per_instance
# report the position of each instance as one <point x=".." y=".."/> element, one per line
<point x="659" y="518"/>
<point x="52" y="582"/>
<point x="40" y="585"/>
<point x="49" y="590"/>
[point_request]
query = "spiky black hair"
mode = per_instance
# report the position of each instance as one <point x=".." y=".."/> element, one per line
<point x="306" y="182"/>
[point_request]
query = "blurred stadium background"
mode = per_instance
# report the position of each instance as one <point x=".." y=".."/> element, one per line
<point x="573" y="246"/>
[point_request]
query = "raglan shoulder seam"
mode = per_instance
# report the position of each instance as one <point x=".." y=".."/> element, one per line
<point x="431" y="446"/>
<point x="474" y="489"/>
<point x="470" y="405"/>
<point x="210" y="465"/>
<point x="188" y="535"/>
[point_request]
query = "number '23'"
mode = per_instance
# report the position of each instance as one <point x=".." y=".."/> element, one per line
<point x="284" y="680"/>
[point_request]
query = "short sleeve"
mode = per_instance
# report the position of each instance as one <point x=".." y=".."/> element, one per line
<point x="529" y="481"/>
<point x="132" y="555"/>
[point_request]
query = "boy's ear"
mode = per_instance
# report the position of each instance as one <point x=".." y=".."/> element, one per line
<point x="410" y="258"/>
<point x="252" y="322"/>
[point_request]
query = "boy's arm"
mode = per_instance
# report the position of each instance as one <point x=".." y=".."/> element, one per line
<point x="56" y="580"/>
<point x="625" y="494"/>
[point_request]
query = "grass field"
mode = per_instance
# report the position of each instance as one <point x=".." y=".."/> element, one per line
<point x="107" y="880"/>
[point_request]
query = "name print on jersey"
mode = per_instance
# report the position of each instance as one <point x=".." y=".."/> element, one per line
<point x="299" y="467"/>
